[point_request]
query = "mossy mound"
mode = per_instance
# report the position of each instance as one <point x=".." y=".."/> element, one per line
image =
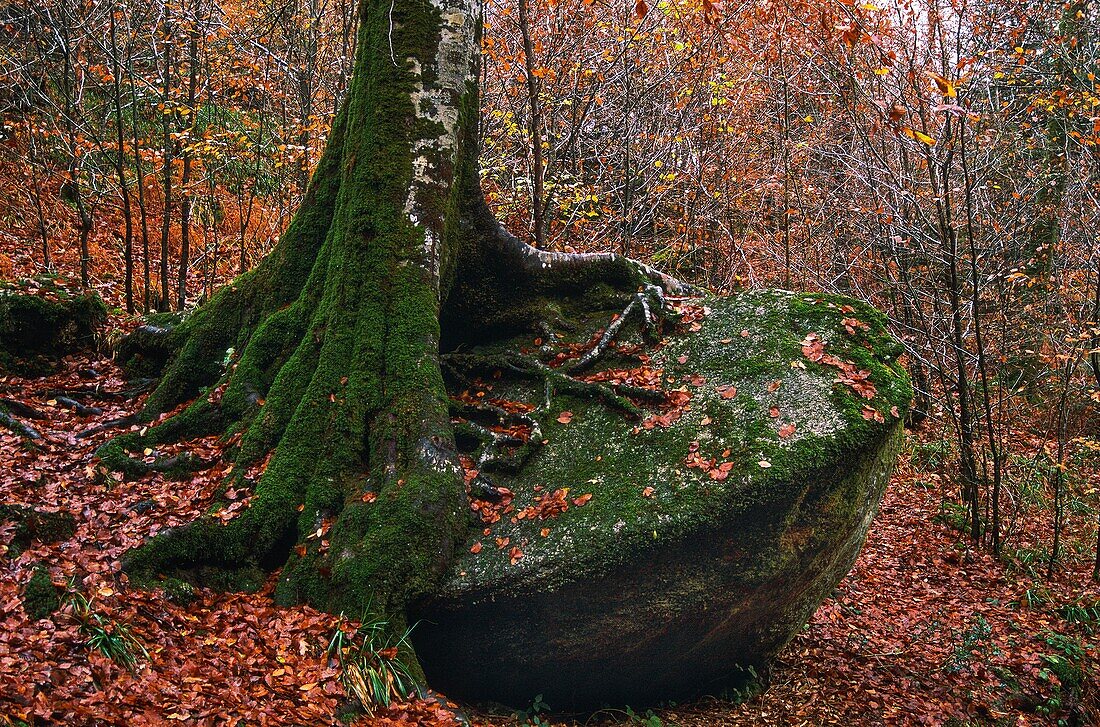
<point x="712" y="532"/>
<point x="40" y="596"/>
<point x="36" y="526"/>
<point x="42" y="321"/>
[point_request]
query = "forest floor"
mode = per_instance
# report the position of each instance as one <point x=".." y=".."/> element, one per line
<point x="926" y="629"/>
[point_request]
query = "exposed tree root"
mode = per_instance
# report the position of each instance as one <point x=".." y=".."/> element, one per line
<point x="76" y="406"/>
<point x="137" y="388"/>
<point x="21" y="428"/>
<point x="177" y="466"/>
<point x="555" y="381"/>
<point x="643" y="303"/>
<point x="497" y="450"/>
<point x="116" y="423"/>
<point x="22" y="409"/>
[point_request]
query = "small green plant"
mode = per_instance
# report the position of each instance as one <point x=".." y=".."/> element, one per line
<point x="954" y="516"/>
<point x="372" y="664"/>
<point x="1029" y="561"/>
<point x="1085" y="615"/>
<point x="532" y="716"/>
<point x="1065" y="669"/>
<point x="646" y="720"/>
<point x="974" y="642"/>
<point x="930" y="456"/>
<point x="105" y="635"/>
<point x="1029" y="478"/>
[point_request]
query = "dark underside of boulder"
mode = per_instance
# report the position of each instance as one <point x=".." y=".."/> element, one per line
<point x="703" y="615"/>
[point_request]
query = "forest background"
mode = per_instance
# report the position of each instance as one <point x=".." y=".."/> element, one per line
<point x="939" y="159"/>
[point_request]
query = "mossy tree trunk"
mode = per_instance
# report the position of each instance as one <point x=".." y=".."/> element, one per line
<point x="324" y="360"/>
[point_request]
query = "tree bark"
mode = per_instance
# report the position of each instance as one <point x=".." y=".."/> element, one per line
<point x="120" y="164"/>
<point x="167" y="152"/>
<point x="334" y="339"/>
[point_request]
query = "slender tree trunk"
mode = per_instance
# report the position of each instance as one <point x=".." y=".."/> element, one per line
<point x="979" y="342"/>
<point x="185" y="177"/>
<point x="1058" y="473"/>
<point x="244" y="211"/>
<point x="120" y="166"/>
<point x="47" y="261"/>
<point x="534" y="128"/>
<point x="785" y="140"/>
<point x="73" y="184"/>
<point x="139" y="186"/>
<point x="167" y="150"/>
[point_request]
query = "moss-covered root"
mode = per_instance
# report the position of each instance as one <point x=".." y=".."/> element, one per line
<point x="555" y="381"/>
<point x="504" y="286"/>
<point x="648" y="304"/>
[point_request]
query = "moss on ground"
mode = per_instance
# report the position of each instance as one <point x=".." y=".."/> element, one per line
<point x="40" y="596"/>
<point x="36" y="526"/>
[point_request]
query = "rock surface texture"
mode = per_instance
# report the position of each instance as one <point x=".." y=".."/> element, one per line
<point x="716" y="523"/>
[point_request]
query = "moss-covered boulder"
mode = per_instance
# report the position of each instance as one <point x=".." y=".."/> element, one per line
<point x="41" y="321"/>
<point x="651" y="559"/>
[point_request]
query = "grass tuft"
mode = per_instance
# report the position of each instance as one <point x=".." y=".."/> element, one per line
<point x="373" y="665"/>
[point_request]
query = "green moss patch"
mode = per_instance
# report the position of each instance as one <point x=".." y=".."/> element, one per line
<point x="41" y="321"/>
<point x="40" y="596"/>
<point x="759" y="411"/>
<point x="37" y="526"/>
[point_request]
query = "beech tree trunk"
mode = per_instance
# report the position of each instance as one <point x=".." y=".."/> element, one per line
<point x="324" y="361"/>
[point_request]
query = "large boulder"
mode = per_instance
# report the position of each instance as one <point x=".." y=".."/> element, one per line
<point x="713" y="530"/>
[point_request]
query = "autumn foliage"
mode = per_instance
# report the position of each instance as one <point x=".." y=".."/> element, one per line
<point x="937" y="159"/>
